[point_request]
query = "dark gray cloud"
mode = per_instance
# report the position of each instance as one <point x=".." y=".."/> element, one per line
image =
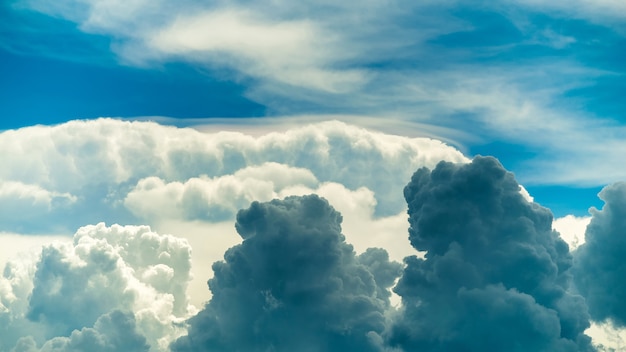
<point x="495" y="275"/>
<point x="293" y="284"/>
<point x="599" y="263"/>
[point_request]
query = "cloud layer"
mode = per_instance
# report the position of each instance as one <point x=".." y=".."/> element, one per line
<point x="115" y="171"/>
<point x="523" y="73"/>
<point x="482" y="256"/>
<point x="141" y="172"/>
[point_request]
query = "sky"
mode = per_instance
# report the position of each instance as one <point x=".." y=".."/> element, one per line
<point x="149" y="146"/>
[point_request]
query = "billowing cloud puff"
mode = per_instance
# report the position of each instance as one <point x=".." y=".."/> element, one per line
<point x="218" y="199"/>
<point x="215" y="199"/>
<point x="112" y="288"/>
<point x="495" y="275"/>
<point x="572" y="229"/>
<point x="94" y="165"/>
<point x="182" y="181"/>
<point x="293" y="284"/>
<point x="599" y="263"/>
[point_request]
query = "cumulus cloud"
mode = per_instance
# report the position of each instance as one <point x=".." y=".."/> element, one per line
<point x="112" y="288"/>
<point x="293" y="284"/>
<point x="599" y="268"/>
<point x="214" y="199"/>
<point x="607" y="337"/>
<point x="90" y="167"/>
<point x="20" y="244"/>
<point x="495" y="275"/>
<point x="33" y="195"/>
<point x="204" y="201"/>
<point x="361" y="228"/>
<point x="474" y="223"/>
<point x="190" y="183"/>
<point x="489" y="262"/>
<point x="572" y="229"/>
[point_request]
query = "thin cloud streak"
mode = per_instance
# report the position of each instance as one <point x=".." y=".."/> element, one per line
<point x="502" y="72"/>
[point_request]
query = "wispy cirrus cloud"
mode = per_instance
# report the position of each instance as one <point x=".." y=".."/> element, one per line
<point x="296" y="52"/>
<point x="540" y="77"/>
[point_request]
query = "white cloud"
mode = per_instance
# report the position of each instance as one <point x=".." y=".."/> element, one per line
<point x="217" y="198"/>
<point x="20" y="202"/>
<point x="209" y="241"/>
<point x="23" y="246"/>
<point x="521" y="107"/>
<point x="524" y="192"/>
<point x="72" y="291"/>
<point x="572" y="229"/>
<point x="33" y="195"/>
<point x="606" y="337"/>
<point x="100" y="163"/>
<point x="364" y="230"/>
<point x="354" y="59"/>
<point x="287" y="48"/>
<point x="114" y="331"/>
<point x="295" y="52"/>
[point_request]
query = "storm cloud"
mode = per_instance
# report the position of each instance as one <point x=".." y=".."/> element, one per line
<point x="495" y="276"/>
<point x="599" y="262"/>
<point x="294" y="284"/>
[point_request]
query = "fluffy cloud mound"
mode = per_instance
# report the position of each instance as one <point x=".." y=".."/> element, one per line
<point x="293" y="284"/>
<point x="218" y="198"/>
<point x="572" y="229"/>
<point x="90" y="169"/>
<point x="599" y="262"/>
<point x="113" y="288"/>
<point x="494" y="277"/>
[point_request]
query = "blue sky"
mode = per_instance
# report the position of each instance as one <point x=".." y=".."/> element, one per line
<point x="285" y="99"/>
<point x="538" y="86"/>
